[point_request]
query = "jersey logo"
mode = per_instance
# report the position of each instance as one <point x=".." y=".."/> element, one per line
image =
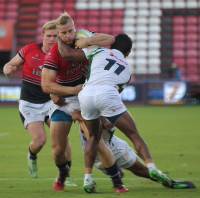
<point x="116" y="109"/>
<point x="49" y="54"/>
<point x="36" y="57"/>
<point x="111" y="54"/>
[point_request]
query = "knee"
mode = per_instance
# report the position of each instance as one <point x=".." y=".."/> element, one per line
<point x="58" y="151"/>
<point x="40" y="141"/>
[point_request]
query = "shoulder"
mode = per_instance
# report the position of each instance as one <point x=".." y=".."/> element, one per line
<point x="32" y="46"/>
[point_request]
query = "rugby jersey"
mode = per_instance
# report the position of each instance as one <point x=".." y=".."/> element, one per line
<point x="33" y="57"/>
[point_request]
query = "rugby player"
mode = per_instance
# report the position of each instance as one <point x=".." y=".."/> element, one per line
<point x="34" y="103"/>
<point x="125" y="156"/>
<point x="108" y="74"/>
<point x="56" y="76"/>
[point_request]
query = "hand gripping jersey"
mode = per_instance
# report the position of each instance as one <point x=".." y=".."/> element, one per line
<point x="68" y="72"/>
<point x="33" y="57"/>
<point x="107" y="67"/>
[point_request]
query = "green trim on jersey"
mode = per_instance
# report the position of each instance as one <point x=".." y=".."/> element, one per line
<point x="94" y="51"/>
<point x="91" y="58"/>
<point x="121" y="85"/>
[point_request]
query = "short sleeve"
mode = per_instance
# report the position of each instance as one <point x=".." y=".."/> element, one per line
<point x="91" y="51"/>
<point x="23" y="52"/>
<point x="51" y="61"/>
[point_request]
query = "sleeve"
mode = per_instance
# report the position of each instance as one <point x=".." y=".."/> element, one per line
<point x="23" y="52"/>
<point x="51" y="61"/>
<point x="91" y="51"/>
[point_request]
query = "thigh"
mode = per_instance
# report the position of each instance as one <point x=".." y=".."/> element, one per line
<point x="36" y="130"/>
<point x="58" y="133"/>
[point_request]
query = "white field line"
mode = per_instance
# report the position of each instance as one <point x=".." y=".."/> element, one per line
<point x="4" y="134"/>
<point x="131" y="179"/>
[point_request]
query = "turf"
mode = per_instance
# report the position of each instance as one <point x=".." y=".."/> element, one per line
<point x="172" y="134"/>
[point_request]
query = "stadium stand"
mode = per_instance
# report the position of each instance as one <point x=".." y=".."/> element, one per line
<point x="163" y="31"/>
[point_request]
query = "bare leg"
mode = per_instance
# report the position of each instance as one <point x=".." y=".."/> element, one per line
<point x="38" y="135"/>
<point x="127" y="125"/>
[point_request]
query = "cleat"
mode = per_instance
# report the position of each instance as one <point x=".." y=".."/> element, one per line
<point x="69" y="182"/>
<point x="60" y="184"/>
<point x="89" y="188"/>
<point x="121" y="189"/>
<point x="160" y="177"/>
<point x="32" y="167"/>
<point x="182" y="184"/>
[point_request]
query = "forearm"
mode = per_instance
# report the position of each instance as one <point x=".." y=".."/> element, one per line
<point x="56" y="89"/>
<point x="101" y="40"/>
<point x="63" y="48"/>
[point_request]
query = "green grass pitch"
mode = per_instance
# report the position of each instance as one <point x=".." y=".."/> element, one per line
<point x="172" y="134"/>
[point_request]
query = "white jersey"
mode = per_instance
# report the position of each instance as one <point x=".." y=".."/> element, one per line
<point x="107" y="67"/>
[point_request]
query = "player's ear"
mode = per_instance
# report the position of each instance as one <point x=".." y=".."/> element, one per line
<point x="127" y="53"/>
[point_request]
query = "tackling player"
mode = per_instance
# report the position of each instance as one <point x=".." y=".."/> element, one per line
<point x="67" y="73"/>
<point x="34" y="103"/>
<point x="124" y="155"/>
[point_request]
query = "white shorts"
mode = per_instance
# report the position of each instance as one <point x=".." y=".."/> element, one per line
<point x="96" y="101"/>
<point x="72" y="104"/>
<point x="123" y="154"/>
<point x="33" y="112"/>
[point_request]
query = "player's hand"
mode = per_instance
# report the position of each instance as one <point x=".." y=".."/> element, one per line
<point x="77" y="89"/>
<point x="81" y="42"/>
<point x="84" y="71"/>
<point x="76" y="115"/>
<point x="8" y="70"/>
<point x="58" y="100"/>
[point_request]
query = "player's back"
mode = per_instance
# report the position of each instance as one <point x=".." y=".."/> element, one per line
<point x="107" y="67"/>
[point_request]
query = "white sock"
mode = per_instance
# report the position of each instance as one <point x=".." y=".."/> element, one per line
<point x="152" y="165"/>
<point x="89" y="177"/>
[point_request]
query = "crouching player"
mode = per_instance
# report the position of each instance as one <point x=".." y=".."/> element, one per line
<point x="124" y="155"/>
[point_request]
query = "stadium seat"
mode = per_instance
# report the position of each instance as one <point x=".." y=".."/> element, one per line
<point x="167" y="4"/>
<point x="179" y="28"/>
<point x="191" y="44"/>
<point x="93" y="28"/>
<point x="116" y="29"/>
<point x="93" y="13"/>
<point x="154" y="61"/>
<point x="179" y="53"/>
<point x="129" y="21"/>
<point x="179" y="4"/>
<point x="154" y="20"/>
<point x="191" y="36"/>
<point x="191" y="28"/>
<point x="117" y="21"/>
<point x="141" y="45"/>
<point x="105" y="29"/>
<point x="2" y="6"/>
<point x="94" y="5"/>
<point x="104" y="21"/>
<point x="118" y="13"/>
<point x="12" y="6"/>
<point x="45" y="6"/>
<point x="178" y="20"/>
<point x="141" y="61"/>
<point x="179" y="36"/>
<point x="130" y="4"/>
<point x="141" y="20"/>
<point x="178" y="44"/>
<point x="92" y="21"/>
<point x="70" y="5"/>
<point x="142" y="12"/>
<point x="130" y="13"/>
<point x="155" y="4"/>
<point x="154" y="53"/>
<point x="81" y="5"/>
<point x="119" y="4"/>
<point x="141" y="28"/>
<point x="141" y="36"/>
<point x="191" y="61"/>
<point x="81" y="14"/>
<point x="154" y="28"/>
<point x="154" y="44"/>
<point x="193" y="77"/>
<point x="154" y="70"/>
<point x="141" y="69"/>
<point x="106" y="13"/>
<point x="155" y="12"/>
<point x="140" y="53"/>
<point x="191" y="4"/>
<point x="129" y="29"/>
<point x="191" y="53"/>
<point x="154" y="36"/>
<point x="57" y="6"/>
<point x="106" y="4"/>
<point x="191" y="20"/>
<point x="179" y="60"/>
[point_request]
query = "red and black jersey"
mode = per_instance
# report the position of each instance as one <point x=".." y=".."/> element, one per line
<point x="68" y="72"/>
<point x="33" y="57"/>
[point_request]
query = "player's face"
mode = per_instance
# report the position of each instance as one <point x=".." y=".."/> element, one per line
<point x="49" y="38"/>
<point x="67" y="33"/>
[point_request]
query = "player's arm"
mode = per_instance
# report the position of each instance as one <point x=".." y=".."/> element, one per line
<point x="49" y="85"/>
<point x="69" y="53"/>
<point x="12" y="65"/>
<point x="98" y="39"/>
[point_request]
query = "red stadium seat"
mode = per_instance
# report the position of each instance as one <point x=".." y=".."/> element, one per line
<point x="117" y="21"/>
<point x="72" y="13"/>
<point x="94" y="13"/>
<point x="2" y="15"/>
<point x="105" y="21"/>
<point x="94" y="28"/>
<point x="45" y="14"/>
<point x="45" y="6"/>
<point x="57" y="6"/>
<point x="179" y="61"/>
<point x="179" y="20"/>
<point x="81" y="13"/>
<point x="193" y="77"/>
<point x="191" y="44"/>
<point x="93" y="21"/>
<point x="118" y="13"/>
<point x="179" y="36"/>
<point x="80" y="21"/>
<point x="191" y="28"/>
<point x="106" y="13"/>
<point x="12" y="6"/>
<point x="2" y="6"/>
<point x="116" y="30"/>
<point x="70" y="5"/>
<point x="191" y="20"/>
<point x="179" y="53"/>
<point x="191" y="53"/>
<point x="191" y="61"/>
<point x="191" y="36"/>
<point x="105" y="29"/>
<point x="179" y="44"/>
<point x="179" y="28"/>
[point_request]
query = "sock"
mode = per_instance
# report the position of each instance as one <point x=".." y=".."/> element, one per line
<point x="69" y="163"/>
<point x="114" y="174"/>
<point x="32" y="156"/>
<point x="89" y="177"/>
<point x="63" y="170"/>
<point x="152" y="165"/>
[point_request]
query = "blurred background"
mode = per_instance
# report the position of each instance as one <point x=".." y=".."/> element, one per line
<point x="165" y="58"/>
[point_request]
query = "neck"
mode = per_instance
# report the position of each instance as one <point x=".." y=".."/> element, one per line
<point x="44" y="49"/>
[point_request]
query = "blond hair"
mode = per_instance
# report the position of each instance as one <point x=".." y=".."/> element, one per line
<point x="63" y="19"/>
<point x="50" y="25"/>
